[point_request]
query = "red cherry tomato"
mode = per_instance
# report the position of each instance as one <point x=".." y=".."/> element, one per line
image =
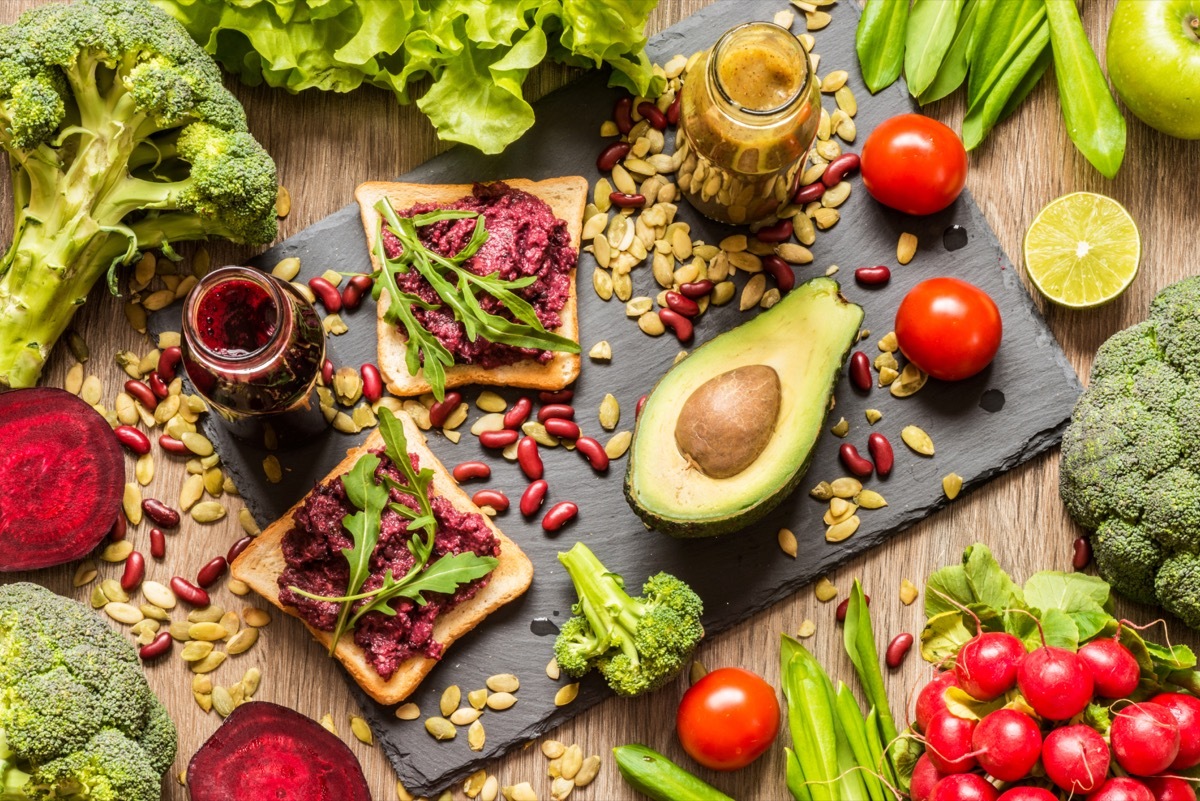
<point x="914" y="164"/>
<point x="948" y="328"/>
<point x="727" y="719"/>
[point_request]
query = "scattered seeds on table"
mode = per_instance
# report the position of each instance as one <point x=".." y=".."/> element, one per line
<point x="787" y="542"/>
<point x="552" y="670"/>
<point x="256" y="617"/>
<point x="874" y="416"/>
<point x="450" y="699"/>
<point x="908" y="592"/>
<point x="409" y="711"/>
<point x="330" y="726"/>
<point x="116" y="551"/>
<point x="501" y="701"/>
<point x="610" y="412"/>
<point x="222" y="701"/>
<point x="476" y="736"/>
<point x="807" y="629"/>
<point x="361" y="730"/>
<point x="870" y="499"/>
<point x="124" y="613"/>
<point x="503" y="683"/>
<point x="840" y="531"/>
<point x="951" y="484"/>
<point x="553" y="749"/>
<point x="84" y="574"/>
<point x="441" y="729"/>
<point x="697" y="671"/>
<point x="753" y="291"/>
<point x="845" y="487"/>
<point x="918" y="440"/>
<point x="601" y="352"/>
<point x="566" y="694"/>
<point x="906" y="248"/>
<point x="477" y="698"/>
<point x="618" y="445"/>
<point x="465" y="716"/>
<point x="241" y="642"/>
<point x="208" y="512"/>
<point x="824" y="590"/>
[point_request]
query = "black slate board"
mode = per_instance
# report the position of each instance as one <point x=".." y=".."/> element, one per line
<point x="1017" y="408"/>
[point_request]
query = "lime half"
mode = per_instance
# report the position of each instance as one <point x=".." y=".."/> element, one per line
<point x="1082" y="250"/>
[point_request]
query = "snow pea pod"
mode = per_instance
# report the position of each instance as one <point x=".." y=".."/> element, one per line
<point x="879" y="42"/>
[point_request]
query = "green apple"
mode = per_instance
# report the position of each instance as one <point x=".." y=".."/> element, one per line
<point x="1154" y="61"/>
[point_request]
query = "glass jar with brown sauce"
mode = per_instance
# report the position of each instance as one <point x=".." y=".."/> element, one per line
<point x="749" y="113"/>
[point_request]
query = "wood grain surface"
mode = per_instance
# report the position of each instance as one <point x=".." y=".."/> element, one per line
<point x="326" y="144"/>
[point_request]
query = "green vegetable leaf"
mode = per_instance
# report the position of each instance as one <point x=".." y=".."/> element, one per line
<point x="1057" y="629"/>
<point x="960" y="704"/>
<point x="1175" y="657"/>
<point x="947" y="585"/>
<point x="953" y="69"/>
<point x="942" y="636"/>
<point x="879" y="42"/>
<point x="1005" y="29"/>
<point x="859" y="639"/>
<point x="1018" y="73"/>
<point x="989" y="583"/>
<point x="932" y="25"/>
<point x="444" y="575"/>
<point x="1098" y="717"/>
<point x="363" y="526"/>
<point x="809" y="697"/>
<point x="904" y="752"/>
<point x="1082" y="597"/>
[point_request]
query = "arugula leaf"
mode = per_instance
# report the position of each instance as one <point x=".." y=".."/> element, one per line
<point x="363" y="527"/>
<point x="444" y="575"/>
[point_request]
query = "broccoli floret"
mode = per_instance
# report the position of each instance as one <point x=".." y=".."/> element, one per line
<point x="77" y="720"/>
<point x="121" y="138"/>
<point x="1125" y="467"/>
<point x="638" y="644"/>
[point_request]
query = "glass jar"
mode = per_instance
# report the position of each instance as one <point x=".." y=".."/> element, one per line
<point x="748" y="116"/>
<point x="253" y="347"/>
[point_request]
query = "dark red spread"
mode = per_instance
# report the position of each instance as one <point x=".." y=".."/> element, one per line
<point x="315" y="563"/>
<point x="524" y="238"/>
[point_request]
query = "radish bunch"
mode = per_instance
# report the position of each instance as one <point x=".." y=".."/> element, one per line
<point x="975" y="759"/>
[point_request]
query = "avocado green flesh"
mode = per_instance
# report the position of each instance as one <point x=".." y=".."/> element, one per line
<point x="805" y="338"/>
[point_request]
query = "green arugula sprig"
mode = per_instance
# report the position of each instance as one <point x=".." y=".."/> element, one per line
<point x="444" y="575"/>
<point x="456" y="287"/>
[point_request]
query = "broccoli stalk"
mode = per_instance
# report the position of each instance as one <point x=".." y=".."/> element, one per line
<point x="121" y="138"/>
<point x="638" y="644"/>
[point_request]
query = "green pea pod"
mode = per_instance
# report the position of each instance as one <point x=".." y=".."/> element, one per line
<point x="982" y="116"/>
<point x="1009" y="27"/>
<point x="879" y="42"/>
<point x="655" y="776"/>
<point x="795" y="777"/>
<point x="953" y="69"/>
<point x="854" y="728"/>
<point x="859" y="639"/>
<point x="932" y="25"/>
<point x="1093" y="120"/>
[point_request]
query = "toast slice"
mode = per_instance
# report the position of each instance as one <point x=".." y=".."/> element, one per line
<point x="261" y="564"/>
<point x="567" y="198"/>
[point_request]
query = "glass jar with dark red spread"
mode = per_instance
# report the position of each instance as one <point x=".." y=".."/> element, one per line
<point x="253" y="347"/>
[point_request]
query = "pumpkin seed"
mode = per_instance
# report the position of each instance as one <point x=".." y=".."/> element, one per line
<point x="473" y="786"/>
<point x="906" y="248"/>
<point x="477" y="698"/>
<point x="560" y="788"/>
<point x="238" y="693"/>
<point x="131" y="503"/>
<point x="451" y="697"/>
<point x="501" y="701"/>
<point x="84" y="574"/>
<point x="330" y="726"/>
<point x="822" y="492"/>
<point x="154" y="613"/>
<point x="191" y="492"/>
<point x="787" y="542"/>
<point x="610" y="412"/>
<point x="243" y="641"/>
<point x="918" y="440"/>
<point x="552" y="669"/>
<point x="840" y="531"/>
<point x="841" y="428"/>
<point x="753" y="291"/>
<point x="464" y="716"/>
<point x="74" y="380"/>
<point x="651" y="324"/>
<point x="222" y="701"/>
<point x="617" y="446"/>
<point x="208" y="512"/>
<point x="723" y="293"/>
<point x="735" y="243"/>
<point x="441" y="729"/>
<point x="887" y="376"/>
<point x="566" y="694"/>
<point x="196" y="650"/>
<point x="908" y="592"/>
<point x="361" y="730"/>
<point x="572" y="761"/>
<point x="825" y="218"/>
<point x="588" y="771"/>
<point x="836" y="195"/>
<point x="553" y="749"/>
<point x="488" y="422"/>
<point x="503" y="683"/>
<point x="247" y="522"/>
<point x="491" y="789"/>
<point x="886" y="359"/>
<point x="237" y="587"/>
<point x="117" y="551"/>
<point x="601" y="352"/>
<point x="846" y="487"/>
<point x="951" y="484"/>
<point x="489" y="401"/>
<point x="554" y="769"/>
<point x="870" y="499"/>
<point x="476" y="736"/>
<point x="283" y="202"/>
<point x="197" y="444"/>
<point x="456" y="418"/>
<point x="807" y="629"/>
<point x="874" y="416"/>
<point x="286" y="269"/>
<point x="204" y="701"/>
<point x="697" y="671"/>
<point x="824" y="590"/>
<point x="409" y="711"/>
<point x="209" y="614"/>
<point x="113" y="591"/>
<point x="839" y="510"/>
<point x="793" y="253"/>
<point x="602" y="282"/>
<point x="770" y="298"/>
<point x="124" y="613"/>
<point x="208" y="632"/>
<point x="97" y="599"/>
<point x="256" y="617"/>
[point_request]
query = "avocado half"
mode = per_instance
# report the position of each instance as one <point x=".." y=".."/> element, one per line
<point x="805" y="338"/>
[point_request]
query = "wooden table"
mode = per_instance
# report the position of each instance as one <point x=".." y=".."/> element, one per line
<point x="326" y="144"/>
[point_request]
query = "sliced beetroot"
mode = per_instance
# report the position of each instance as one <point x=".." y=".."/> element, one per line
<point x="61" y="478"/>
<point x="267" y="752"/>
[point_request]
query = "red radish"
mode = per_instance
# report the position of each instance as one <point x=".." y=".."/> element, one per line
<point x="986" y="666"/>
<point x="300" y="760"/>
<point x="932" y="700"/>
<point x="1007" y="743"/>
<point x="1027" y="794"/>
<point x="62" y="475"/>
<point x="1186" y="709"/>
<point x="1055" y="682"/>
<point x="1122" y="788"/>
<point x="963" y="787"/>
<point x="948" y="743"/>
<point x="1113" y="668"/>
<point x="1170" y="788"/>
<point x="924" y="777"/>
<point x="1145" y="738"/>
<point x="1075" y="758"/>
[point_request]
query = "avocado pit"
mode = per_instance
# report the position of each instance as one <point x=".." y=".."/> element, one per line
<point x="727" y="422"/>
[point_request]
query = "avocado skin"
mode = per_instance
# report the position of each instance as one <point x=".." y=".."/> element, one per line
<point x="735" y="521"/>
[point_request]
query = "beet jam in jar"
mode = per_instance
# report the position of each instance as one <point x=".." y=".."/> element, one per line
<point x="253" y="347"/>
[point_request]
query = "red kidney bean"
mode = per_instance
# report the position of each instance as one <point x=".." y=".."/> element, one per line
<point x="781" y="271"/>
<point x="561" y="396"/>
<point x="779" y="232"/>
<point x="696" y="289"/>
<point x="881" y="453"/>
<point x="610" y="155"/>
<point x="855" y="463"/>
<point x="529" y="459"/>
<point x="682" y="305"/>
<point x="533" y="497"/>
<point x="372" y="382"/>
<point x="440" y="411"/>
<point x="490" y="497"/>
<point x="156" y="647"/>
<point x="673" y="109"/>
<point x="1083" y="553"/>
<point x="860" y="371"/>
<point x="623" y="114"/>
<point x="189" y="592"/>
<point x="236" y="549"/>
<point x="120" y="528"/>
<point x="135" y="571"/>
<point x="168" y="362"/>
<point x="498" y="439"/>
<point x="837" y="169"/>
<point x="655" y="117"/>
<point x="681" y="325"/>
<point x="142" y="394"/>
<point x="158" y="543"/>
<point x="172" y="445"/>
<point x="133" y="439"/>
<point x="356" y="288"/>
<point x="559" y="515"/>
<point x="466" y="471"/>
<point x="844" y="607"/>
<point x="593" y="451"/>
<point x="873" y="276"/>
<point x="519" y="413"/>
<point x="160" y="513"/>
<point x="157" y="385"/>
<point x="326" y="293"/>
<point x="556" y="410"/>
<point x="562" y="428"/>
<point x="212" y="571"/>
<point x="809" y="192"/>
<point x="327" y="372"/>
<point x="624" y="201"/>
<point x="637" y="410"/>
<point x="897" y="649"/>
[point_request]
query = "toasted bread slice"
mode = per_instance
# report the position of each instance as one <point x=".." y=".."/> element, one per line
<point x="566" y="197"/>
<point x="261" y="564"/>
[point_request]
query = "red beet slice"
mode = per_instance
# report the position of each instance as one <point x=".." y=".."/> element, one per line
<point x="267" y="752"/>
<point x="61" y="478"/>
